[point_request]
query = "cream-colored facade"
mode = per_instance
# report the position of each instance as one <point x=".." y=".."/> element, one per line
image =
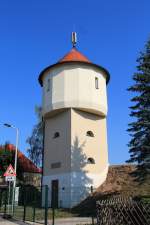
<point x="75" y="143"/>
<point x="73" y="147"/>
<point x="74" y="86"/>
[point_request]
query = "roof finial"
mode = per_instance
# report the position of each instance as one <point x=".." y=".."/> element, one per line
<point x="74" y="39"/>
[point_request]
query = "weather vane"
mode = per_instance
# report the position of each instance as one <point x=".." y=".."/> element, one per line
<point x="74" y="38"/>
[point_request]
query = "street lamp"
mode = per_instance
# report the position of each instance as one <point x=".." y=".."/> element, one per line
<point x="15" y="166"/>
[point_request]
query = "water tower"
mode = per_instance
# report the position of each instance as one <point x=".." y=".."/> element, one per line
<point x="75" y="117"/>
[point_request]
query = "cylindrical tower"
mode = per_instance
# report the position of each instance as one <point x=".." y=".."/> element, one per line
<point x="75" y="142"/>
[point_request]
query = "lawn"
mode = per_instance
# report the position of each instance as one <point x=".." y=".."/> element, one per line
<point x="38" y="214"/>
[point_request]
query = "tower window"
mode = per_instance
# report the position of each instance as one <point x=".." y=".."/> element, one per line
<point x="56" y="135"/>
<point x="96" y="83"/>
<point x="56" y="165"/>
<point x="90" y="161"/>
<point x="48" y="85"/>
<point x="89" y="133"/>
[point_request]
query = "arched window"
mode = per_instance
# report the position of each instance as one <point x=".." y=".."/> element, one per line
<point x="90" y="133"/>
<point x="90" y="161"/>
<point x="56" y="135"/>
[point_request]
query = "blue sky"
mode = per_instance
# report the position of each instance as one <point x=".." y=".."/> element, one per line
<point x="36" y="33"/>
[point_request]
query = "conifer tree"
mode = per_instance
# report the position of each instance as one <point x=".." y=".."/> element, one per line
<point x="139" y="129"/>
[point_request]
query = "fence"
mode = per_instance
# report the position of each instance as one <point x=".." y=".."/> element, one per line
<point x="29" y="206"/>
<point x="4" y="201"/>
<point x="122" y="211"/>
<point x="44" y="206"/>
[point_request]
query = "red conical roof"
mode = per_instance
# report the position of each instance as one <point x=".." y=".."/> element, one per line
<point x="74" y="55"/>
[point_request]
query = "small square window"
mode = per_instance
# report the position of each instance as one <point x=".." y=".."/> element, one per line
<point x="48" y="85"/>
<point x="96" y="83"/>
<point x="55" y="165"/>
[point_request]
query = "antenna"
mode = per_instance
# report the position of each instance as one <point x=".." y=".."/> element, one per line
<point x="74" y="38"/>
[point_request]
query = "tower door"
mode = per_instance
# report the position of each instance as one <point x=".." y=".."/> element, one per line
<point x="54" y="193"/>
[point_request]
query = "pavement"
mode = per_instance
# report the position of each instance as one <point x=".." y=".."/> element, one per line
<point x="66" y="221"/>
<point x="10" y="222"/>
<point x="72" y="221"/>
<point x="62" y="221"/>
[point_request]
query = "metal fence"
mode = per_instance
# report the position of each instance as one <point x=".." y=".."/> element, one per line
<point x="42" y="205"/>
<point x="4" y="201"/>
<point x="122" y="211"/>
<point x="29" y="206"/>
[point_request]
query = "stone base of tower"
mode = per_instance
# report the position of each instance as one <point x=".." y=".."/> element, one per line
<point x="73" y="187"/>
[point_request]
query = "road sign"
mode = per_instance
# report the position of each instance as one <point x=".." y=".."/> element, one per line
<point x="10" y="172"/>
<point x="9" y="179"/>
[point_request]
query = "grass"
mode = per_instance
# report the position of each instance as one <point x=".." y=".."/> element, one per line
<point x="39" y="213"/>
<point x="146" y="199"/>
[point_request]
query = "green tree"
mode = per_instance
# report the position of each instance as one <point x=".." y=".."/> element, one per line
<point x="7" y="157"/>
<point x="35" y="141"/>
<point x="139" y="129"/>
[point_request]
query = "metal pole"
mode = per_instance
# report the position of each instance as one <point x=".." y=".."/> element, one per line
<point x="53" y="206"/>
<point x="92" y="212"/>
<point x="46" y="204"/>
<point x="15" y="168"/>
<point x="8" y="196"/>
<point x="24" y="210"/>
<point x="16" y="150"/>
<point x="5" y="208"/>
<point x="34" y="205"/>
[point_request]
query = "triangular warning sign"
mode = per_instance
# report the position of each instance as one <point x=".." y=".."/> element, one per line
<point x="10" y="172"/>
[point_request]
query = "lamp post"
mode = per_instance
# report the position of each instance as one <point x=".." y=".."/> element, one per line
<point x="15" y="165"/>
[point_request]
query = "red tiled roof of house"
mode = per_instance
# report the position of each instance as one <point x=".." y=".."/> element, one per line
<point x="27" y="164"/>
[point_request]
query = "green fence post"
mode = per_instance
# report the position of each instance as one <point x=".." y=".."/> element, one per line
<point x="5" y="208"/>
<point x="24" y="202"/>
<point x="53" y="215"/>
<point x="92" y="212"/>
<point x="34" y="206"/>
<point x="46" y="204"/>
<point x="0" y="199"/>
<point x="53" y="205"/>
<point x="13" y="201"/>
<point x="34" y="212"/>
